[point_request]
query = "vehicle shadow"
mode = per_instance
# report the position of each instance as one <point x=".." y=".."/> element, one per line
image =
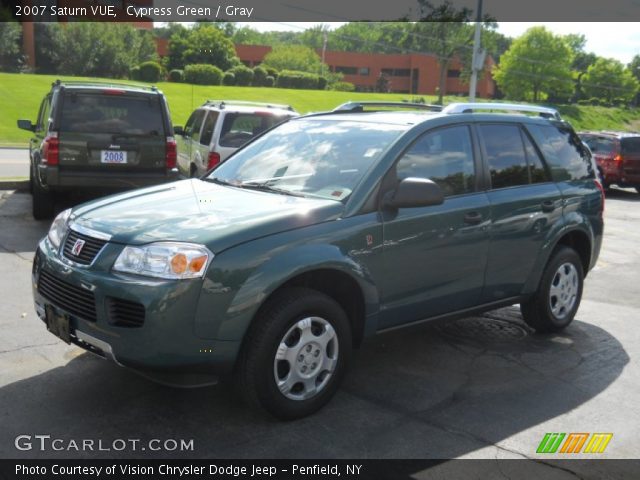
<point x="437" y="391"/>
<point x="628" y="194"/>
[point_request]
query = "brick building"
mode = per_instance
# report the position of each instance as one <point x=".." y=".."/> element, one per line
<point x="407" y="73"/>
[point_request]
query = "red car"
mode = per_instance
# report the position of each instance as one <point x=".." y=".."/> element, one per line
<point x="617" y="155"/>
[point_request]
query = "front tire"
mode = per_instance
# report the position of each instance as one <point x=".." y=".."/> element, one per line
<point x="556" y="302"/>
<point x="295" y="354"/>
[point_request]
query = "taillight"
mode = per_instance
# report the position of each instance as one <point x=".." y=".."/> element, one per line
<point x="214" y="159"/>
<point x="601" y="188"/>
<point x="113" y="91"/>
<point x="51" y="149"/>
<point x="171" y="154"/>
<point x="618" y="160"/>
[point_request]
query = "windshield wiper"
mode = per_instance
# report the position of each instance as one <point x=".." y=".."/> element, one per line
<point x="219" y="181"/>
<point x="266" y="187"/>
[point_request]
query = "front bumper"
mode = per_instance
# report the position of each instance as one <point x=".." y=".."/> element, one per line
<point x="163" y="343"/>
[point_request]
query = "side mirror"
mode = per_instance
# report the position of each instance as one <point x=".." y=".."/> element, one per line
<point x="26" y="125"/>
<point x="178" y="130"/>
<point x="415" y="192"/>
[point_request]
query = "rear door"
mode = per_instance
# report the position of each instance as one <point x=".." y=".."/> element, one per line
<point x="435" y="256"/>
<point x="200" y="150"/>
<point x="112" y="131"/>
<point x="525" y="206"/>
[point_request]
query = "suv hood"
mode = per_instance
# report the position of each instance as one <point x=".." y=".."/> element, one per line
<point x="201" y="212"/>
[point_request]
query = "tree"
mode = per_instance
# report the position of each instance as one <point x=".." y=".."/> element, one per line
<point x="582" y="60"/>
<point x="610" y="80"/>
<point x="293" y="57"/>
<point x="537" y="64"/>
<point x="10" y="57"/>
<point x="203" y="44"/>
<point x="634" y="68"/>
<point x="444" y="31"/>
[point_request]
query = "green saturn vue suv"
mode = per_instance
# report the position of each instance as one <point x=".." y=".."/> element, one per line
<point x="321" y="232"/>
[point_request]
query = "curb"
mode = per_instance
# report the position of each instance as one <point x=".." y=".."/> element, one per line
<point x="21" y="185"/>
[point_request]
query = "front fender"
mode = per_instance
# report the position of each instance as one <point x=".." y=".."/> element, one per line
<point x="245" y="276"/>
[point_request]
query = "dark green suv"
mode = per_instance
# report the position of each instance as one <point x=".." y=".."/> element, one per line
<point x="98" y="136"/>
<point x="321" y="232"/>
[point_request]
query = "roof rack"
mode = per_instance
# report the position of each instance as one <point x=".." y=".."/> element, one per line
<point x="93" y="83"/>
<point x="545" y="112"/>
<point x="360" y="106"/>
<point x="224" y="103"/>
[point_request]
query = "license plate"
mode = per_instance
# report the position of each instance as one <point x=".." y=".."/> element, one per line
<point x="112" y="156"/>
<point x="58" y="323"/>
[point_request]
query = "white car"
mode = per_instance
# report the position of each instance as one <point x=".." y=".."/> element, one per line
<point x="219" y="127"/>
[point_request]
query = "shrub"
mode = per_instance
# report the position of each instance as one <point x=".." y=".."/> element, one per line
<point x="294" y="79"/>
<point x="271" y="72"/>
<point x="176" y="76"/>
<point x="343" y="87"/>
<point x="269" y="81"/>
<point x="202" y="74"/>
<point x="150" y="71"/>
<point x="229" y="78"/>
<point x="244" y="75"/>
<point x="259" y="76"/>
<point x="322" y="83"/>
<point x="134" y="73"/>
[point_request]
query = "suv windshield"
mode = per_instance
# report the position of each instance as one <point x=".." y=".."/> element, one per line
<point x="314" y="157"/>
<point x="112" y="113"/>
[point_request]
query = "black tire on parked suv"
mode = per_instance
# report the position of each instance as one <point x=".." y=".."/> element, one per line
<point x="43" y="202"/>
<point x="556" y="302"/>
<point x="295" y="354"/>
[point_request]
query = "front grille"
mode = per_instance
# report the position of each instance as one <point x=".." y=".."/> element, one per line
<point x="124" y="313"/>
<point x="75" y="300"/>
<point x="89" y="251"/>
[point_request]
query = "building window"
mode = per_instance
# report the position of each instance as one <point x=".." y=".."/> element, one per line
<point x="453" y="73"/>
<point x="363" y="71"/>
<point x="396" y="72"/>
<point x="347" y="70"/>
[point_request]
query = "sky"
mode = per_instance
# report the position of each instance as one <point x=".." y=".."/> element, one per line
<point x="617" y="40"/>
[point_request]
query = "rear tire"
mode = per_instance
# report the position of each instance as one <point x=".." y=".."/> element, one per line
<point x="43" y="202"/>
<point x="556" y="302"/>
<point x="295" y="354"/>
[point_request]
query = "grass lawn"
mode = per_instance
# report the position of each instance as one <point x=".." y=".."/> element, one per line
<point x="21" y="94"/>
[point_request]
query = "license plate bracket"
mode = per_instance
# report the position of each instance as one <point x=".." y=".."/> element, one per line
<point x="58" y="324"/>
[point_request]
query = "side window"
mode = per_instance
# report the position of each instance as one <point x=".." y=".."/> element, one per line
<point x="192" y="127"/>
<point x="505" y="155"/>
<point x="43" y="117"/>
<point x="537" y="171"/>
<point x="443" y="156"/>
<point x="208" y="127"/>
<point x="563" y="151"/>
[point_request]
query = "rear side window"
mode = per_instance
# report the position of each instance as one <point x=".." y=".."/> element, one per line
<point x="505" y="154"/>
<point x="563" y="151"/>
<point x="443" y="156"/>
<point x="124" y="114"/>
<point x="537" y="171"/>
<point x="239" y="128"/>
<point x="630" y="146"/>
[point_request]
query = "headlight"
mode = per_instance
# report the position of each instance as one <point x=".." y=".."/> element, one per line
<point x="173" y="260"/>
<point x="58" y="228"/>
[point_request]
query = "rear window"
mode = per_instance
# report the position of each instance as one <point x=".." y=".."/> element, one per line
<point x="239" y="128"/>
<point x="123" y="114"/>
<point x="630" y="146"/>
<point x="564" y="152"/>
<point x="600" y="144"/>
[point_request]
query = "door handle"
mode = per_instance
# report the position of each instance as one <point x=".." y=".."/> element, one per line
<point x="473" y="218"/>
<point x="548" y="206"/>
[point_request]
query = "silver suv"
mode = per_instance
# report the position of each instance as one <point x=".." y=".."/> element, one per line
<point x="219" y="127"/>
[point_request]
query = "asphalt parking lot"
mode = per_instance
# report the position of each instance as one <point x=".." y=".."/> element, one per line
<point x="481" y="387"/>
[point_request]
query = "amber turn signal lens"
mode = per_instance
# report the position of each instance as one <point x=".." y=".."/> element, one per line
<point x="179" y="263"/>
<point x="197" y="263"/>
